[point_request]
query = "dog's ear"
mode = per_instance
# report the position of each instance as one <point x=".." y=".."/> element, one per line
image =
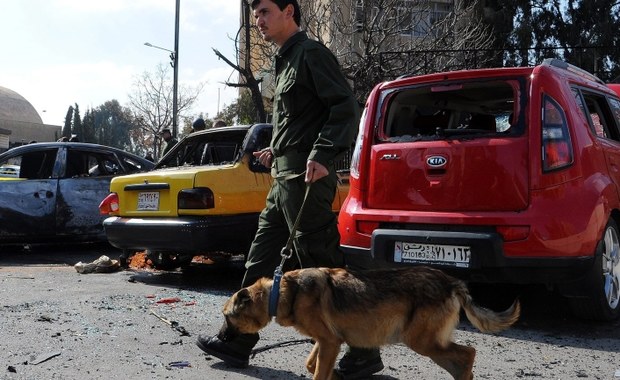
<point x="243" y="299"/>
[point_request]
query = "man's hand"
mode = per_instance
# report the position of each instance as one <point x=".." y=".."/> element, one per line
<point x="265" y="157"/>
<point x="315" y="171"/>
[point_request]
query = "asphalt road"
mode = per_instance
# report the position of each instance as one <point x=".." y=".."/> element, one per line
<point x="58" y="324"/>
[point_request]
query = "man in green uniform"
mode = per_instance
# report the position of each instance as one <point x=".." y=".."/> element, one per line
<point x="314" y="121"/>
<point x="170" y="141"/>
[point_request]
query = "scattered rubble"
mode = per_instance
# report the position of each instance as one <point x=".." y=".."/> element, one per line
<point x="103" y="328"/>
<point x="102" y="265"/>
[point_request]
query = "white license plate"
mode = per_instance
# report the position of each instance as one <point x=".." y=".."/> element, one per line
<point x="148" y="201"/>
<point x="452" y="255"/>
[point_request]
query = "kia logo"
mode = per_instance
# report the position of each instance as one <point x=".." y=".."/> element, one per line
<point x="436" y="161"/>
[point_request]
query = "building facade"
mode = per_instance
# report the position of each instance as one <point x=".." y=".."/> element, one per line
<point x="354" y="30"/>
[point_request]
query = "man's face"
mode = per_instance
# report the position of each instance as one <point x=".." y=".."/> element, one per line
<point x="271" y="21"/>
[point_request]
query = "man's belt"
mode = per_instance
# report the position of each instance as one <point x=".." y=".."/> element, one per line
<point x="290" y="163"/>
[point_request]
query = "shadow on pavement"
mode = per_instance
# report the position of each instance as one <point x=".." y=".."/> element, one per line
<point x="540" y="307"/>
<point x="224" y="276"/>
<point x="261" y="372"/>
<point x="66" y="254"/>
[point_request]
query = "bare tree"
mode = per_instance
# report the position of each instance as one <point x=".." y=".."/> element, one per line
<point x="377" y="40"/>
<point x="374" y="40"/>
<point x="248" y="81"/>
<point x="151" y="102"/>
<point x="252" y="56"/>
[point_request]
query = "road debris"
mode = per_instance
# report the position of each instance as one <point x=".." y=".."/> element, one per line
<point x="19" y="277"/>
<point x="45" y="357"/>
<point x="44" y="318"/>
<point x="169" y="300"/>
<point x="139" y="261"/>
<point x="174" y="324"/>
<point x="102" y="265"/>
<point x="179" y="364"/>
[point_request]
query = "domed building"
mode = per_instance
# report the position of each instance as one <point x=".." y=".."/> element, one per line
<point x="20" y="123"/>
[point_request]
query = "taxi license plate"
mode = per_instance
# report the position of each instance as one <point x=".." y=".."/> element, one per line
<point x="148" y="201"/>
<point x="417" y="253"/>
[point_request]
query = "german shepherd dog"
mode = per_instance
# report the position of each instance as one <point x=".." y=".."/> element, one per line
<point x="417" y="306"/>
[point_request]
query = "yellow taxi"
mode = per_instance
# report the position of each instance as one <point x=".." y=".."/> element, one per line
<point x="203" y="198"/>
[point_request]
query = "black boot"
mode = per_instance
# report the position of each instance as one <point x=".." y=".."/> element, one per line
<point x="359" y="363"/>
<point x="234" y="352"/>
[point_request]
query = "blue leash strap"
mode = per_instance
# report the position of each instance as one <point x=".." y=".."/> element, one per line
<point x="274" y="295"/>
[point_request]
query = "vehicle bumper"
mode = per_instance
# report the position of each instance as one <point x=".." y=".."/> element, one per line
<point x="487" y="261"/>
<point x="190" y="235"/>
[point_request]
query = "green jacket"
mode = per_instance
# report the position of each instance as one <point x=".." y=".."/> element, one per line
<point x="169" y="145"/>
<point x="315" y="114"/>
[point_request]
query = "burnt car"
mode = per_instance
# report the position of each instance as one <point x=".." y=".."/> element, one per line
<point x="53" y="190"/>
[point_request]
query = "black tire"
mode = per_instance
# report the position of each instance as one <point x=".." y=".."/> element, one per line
<point x="602" y="284"/>
<point x="124" y="258"/>
<point x="163" y="260"/>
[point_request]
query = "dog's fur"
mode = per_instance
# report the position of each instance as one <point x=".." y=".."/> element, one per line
<point x="418" y="306"/>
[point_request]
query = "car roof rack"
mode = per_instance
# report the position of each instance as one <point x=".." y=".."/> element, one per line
<point x="572" y="68"/>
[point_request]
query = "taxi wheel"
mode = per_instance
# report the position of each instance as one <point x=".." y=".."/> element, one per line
<point x="124" y="258"/>
<point x="163" y="260"/>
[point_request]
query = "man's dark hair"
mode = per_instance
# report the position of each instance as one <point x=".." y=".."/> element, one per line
<point x="282" y="4"/>
<point x="199" y="124"/>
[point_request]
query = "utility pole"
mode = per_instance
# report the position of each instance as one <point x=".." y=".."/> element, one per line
<point x="175" y="90"/>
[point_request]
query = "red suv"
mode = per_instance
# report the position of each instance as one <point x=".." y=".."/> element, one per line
<point x="497" y="175"/>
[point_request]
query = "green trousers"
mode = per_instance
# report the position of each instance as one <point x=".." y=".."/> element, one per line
<point x="317" y="239"/>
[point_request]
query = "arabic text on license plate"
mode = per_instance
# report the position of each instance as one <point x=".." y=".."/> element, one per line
<point x="453" y="255"/>
<point x="148" y="200"/>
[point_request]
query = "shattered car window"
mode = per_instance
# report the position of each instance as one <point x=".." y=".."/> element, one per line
<point x="483" y="108"/>
<point x="205" y="149"/>
<point x="31" y="165"/>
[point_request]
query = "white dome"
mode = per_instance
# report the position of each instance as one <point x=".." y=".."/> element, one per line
<point x="15" y="107"/>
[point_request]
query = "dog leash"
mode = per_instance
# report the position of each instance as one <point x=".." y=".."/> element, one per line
<point x="279" y="345"/>
<point x="286" y="253"/>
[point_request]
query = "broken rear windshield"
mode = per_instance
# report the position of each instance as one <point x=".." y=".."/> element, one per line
<point x="451" y="110"/>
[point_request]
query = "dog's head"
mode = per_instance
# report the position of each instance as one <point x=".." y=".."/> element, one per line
<point x="247" y="311"/>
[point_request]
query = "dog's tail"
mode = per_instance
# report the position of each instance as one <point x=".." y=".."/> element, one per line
<point x="486" y="320"/>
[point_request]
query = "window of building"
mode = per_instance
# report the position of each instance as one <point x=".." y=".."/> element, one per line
<point x="420" y="19"/>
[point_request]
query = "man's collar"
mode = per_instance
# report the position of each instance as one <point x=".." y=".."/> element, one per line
<point x="295" y="38"/>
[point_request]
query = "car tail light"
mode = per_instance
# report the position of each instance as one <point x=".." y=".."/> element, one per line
<point x="557" y="150"/>
<point x="357" y="151"/>
<point x="109" y="205"/>
<point x="556" y="154"/>
<point x="197" y="198"/>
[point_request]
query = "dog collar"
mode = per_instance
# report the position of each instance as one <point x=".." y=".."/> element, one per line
<point x="274" y="295"/>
